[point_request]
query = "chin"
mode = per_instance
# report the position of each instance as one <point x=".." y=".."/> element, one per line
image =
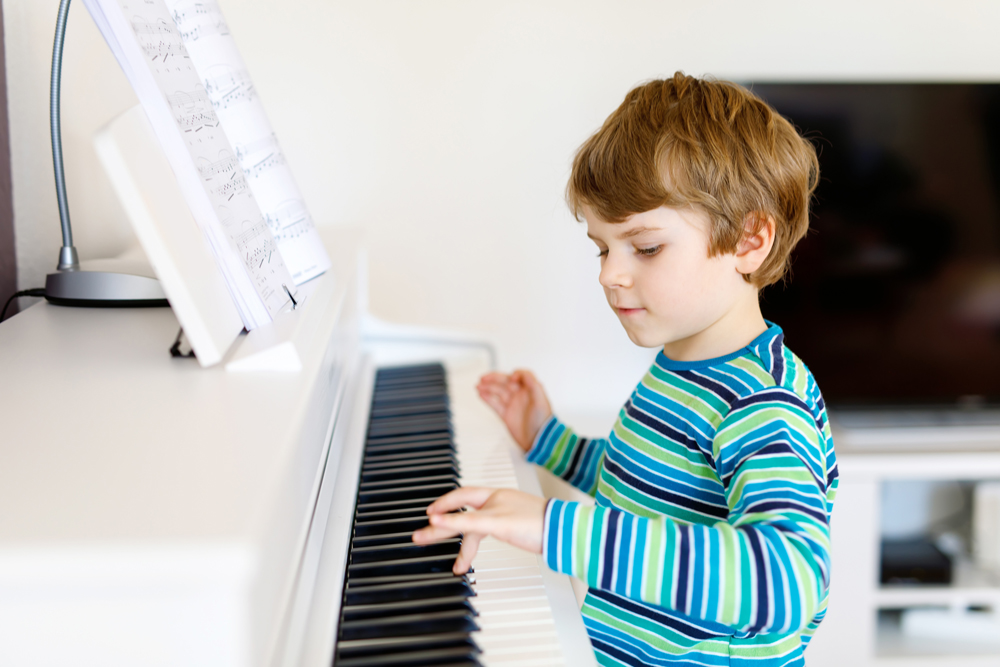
<point x="643" y="340"/>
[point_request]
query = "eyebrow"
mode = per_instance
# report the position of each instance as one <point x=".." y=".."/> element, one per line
<point x="632" y="232"/>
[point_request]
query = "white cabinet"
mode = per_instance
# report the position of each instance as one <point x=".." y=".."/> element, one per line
<point x="862" y="627"/>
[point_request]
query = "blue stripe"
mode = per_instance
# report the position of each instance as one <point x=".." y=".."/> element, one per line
<point x="567" y="517"/>
<point x="661" y="494"/>
<point x="758" y="559"/>
<point x="622" y="556"/>
<point x="609" y="549"/>
<point x="551" y="531"/>
<point x="680" y="595"/>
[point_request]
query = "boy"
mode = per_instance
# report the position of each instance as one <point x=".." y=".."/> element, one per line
<point x="709" y="543"/>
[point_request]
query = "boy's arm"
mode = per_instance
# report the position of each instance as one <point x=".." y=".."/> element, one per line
<point x="561" y="451"/>
<point x="765" y="570"/>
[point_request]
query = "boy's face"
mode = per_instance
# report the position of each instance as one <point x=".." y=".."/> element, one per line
<point x="659" y="279"/>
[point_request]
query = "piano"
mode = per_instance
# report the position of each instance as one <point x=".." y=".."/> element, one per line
<point x="156" y="513"/>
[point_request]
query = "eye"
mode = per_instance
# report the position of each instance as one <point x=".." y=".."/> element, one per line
<point x="650" y="251"/>
<point x="603" y="253"/>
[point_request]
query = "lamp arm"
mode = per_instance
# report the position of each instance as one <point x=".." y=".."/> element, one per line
<point x="68" y="260"/>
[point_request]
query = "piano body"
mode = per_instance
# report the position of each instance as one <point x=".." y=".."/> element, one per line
<point x="156" y="513"/>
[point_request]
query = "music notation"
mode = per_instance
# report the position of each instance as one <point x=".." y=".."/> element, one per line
<point x="289" y="221"/>
<point x="231" y="88"/>
<point x="198" y="20"/>
<point x="226" y="164"/>
<point x="192" y="110"/>
<point x="159" y="39"/>
<point x="236" y="185"/>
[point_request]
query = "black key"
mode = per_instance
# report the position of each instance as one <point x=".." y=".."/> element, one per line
<point x="385" y="538"/>
<point x="434" y="587"/>
<point x="429" y="426"/>
<point x="408" y="482"/>
<point x="437" y="446"/>
<point x="452" y="657"/>
<point x="387" y="645"/>
<point x="388" y="504"/>
<point x="393" y="460"/>
<point x="430" y="406"/>
<point x="417" y="565"/>
<point x="374" y="553"/>
<point x="440" y="418"/>
<point x="413" y="624"/>
<point x="403" y="439"/>
<point x="405" y="512"/>
<point x="353" y="612"/>
<point x="409" y="493"/>
<point x="386" y="526"/>
<point x="398" y="578"/>
<point x="404" y="395"/>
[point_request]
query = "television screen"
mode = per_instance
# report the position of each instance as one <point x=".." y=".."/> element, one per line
<point x="894" y="295"/>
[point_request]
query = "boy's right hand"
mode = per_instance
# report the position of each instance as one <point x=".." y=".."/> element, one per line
<point x="520" y="401"/>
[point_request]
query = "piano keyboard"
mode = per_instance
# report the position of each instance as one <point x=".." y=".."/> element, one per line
<point x="402" y="605"/>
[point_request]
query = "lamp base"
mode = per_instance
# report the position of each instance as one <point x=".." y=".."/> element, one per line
<point x="103" y="289"/>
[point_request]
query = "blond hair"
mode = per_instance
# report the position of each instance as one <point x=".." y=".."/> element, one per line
<point x="714" y="145"/>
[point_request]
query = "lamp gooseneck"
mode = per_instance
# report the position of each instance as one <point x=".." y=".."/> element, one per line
<point x="68" y="259"/>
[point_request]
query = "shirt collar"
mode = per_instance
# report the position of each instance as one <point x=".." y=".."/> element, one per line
<point x="766" y="347"/>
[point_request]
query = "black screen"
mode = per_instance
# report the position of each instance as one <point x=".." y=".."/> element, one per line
<point x="894" y="296"/>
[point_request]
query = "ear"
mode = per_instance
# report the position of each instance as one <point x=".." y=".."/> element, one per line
<point x="758" y="238"/>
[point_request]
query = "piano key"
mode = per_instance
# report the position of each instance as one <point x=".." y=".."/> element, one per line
<point x="436" y="445"/>
<point x="451" y="657"/>
<point x="395" y="551"/>
<point x="432" y="406"/>
<point x="384" y="538"/>
<point x="356" y="647"/>
<point x="413" y="624"/>
<point x="398" y="481"/>
<point x="407" y="606"/>
<point x="395" y="460"/>
<point x="410" y="493"/>
<point x="387" y="504"/>
<point x="447" y="586"/>
<point x="415" y="565"/>
<point x="386" y="526"/>
<point x="401" y="578"/>
<point x="399" y="513"/>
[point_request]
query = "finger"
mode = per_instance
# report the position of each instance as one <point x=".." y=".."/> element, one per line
<point x="465" y="522"/>
<point x="493" y="379"/>
<point x="466" y="496"/>
<point x="470" y="546"/>
<point x="433" y="534"/>
<point x="492" y="398"/>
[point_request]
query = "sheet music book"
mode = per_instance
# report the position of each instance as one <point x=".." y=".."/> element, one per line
<point x="182" y="62"/>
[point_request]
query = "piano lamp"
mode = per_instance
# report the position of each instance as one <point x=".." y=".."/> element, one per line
<point x="71" y="285"/>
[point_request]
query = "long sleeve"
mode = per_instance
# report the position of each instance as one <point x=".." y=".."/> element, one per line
<point x="763" y="570"/>
<point x="561" y="451"/>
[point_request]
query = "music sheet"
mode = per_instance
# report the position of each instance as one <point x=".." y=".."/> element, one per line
<point x="215" y="57"/>
<point x="222" y="194"/>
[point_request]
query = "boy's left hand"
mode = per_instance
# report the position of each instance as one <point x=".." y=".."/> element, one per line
<point x="508" y="515"/>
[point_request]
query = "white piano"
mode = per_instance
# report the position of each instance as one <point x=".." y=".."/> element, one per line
<point x="156" y="513"/>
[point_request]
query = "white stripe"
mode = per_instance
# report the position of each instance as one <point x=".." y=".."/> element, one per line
<point x="631" y="555"/>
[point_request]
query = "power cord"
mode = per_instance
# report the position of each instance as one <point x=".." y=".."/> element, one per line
<point x="37" y="291"/>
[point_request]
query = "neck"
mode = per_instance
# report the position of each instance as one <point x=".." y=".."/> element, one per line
<point x="734" y="330"/>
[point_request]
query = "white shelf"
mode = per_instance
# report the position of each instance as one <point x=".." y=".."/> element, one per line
<point x="892" y="647"/>
<point x="970" y="586"/>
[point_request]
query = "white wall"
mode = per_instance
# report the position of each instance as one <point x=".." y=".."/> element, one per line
<point x="446" y="128"/>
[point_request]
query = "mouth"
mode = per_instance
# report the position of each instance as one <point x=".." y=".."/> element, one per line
<point x="629" y="312"/>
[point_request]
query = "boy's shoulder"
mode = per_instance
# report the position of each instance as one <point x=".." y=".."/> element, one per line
<point x="768" y="367"/>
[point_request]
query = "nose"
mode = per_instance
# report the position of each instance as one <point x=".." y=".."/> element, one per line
<point x="615" y="272"/>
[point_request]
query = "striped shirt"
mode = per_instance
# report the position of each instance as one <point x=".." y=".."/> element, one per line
<point x="709" y="543"/>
